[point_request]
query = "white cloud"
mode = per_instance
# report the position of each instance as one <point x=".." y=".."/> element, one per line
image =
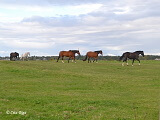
<point x="122" y="10"/>
<point x="110" y="54"/>
<point x="113" y="26"/>
<point x="14" y="13"/>
<point x="23" y="44"/>
<point x="3" y="52"/>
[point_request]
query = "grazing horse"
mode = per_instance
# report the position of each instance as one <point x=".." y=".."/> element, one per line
<point x="25" y="56"/>
<point x="93" y="55"/>
<point x="14" y="56"/>
<point x="70" y="54"/>
<point x="134" y="56"/>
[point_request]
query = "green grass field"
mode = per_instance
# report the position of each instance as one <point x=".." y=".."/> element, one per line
<point x="46" y="90"/>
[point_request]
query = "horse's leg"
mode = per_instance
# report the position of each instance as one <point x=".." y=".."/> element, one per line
<point x="69" y="59"/>
<point x="96" y="60"/>
<point x="62" y="60"/>
<point x="126" y="61"/>
<point x="74" y="59"/>
<point x="58" y="58"/>
<point x="138" y="61"/>
<point x="123" y="62"/>
<point x="133" y="61"/>
<point x="88" y="59"/>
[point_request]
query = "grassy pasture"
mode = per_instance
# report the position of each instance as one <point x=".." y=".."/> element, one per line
<point x="46" y="90"/>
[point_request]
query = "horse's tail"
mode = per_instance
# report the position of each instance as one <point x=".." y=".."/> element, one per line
<point x="85" y="58"/>
<point x="121" y="57"/>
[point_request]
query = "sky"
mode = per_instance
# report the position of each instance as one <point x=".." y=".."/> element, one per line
<point x="45" y="27"/>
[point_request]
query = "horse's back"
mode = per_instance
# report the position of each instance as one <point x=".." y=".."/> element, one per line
<point x="62" y="52"/>
<point x="129" y="55"/>
<point x="27" y="53"/>
<point x="126" y="54"/>
<point x="66" y="53"/>
<point x="92" y="54"/>
<point x="14" y="54"/>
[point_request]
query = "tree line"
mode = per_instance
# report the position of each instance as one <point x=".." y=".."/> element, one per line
<point x="146" y="57"/>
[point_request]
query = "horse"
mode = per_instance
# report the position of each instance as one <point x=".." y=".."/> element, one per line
<point x="14" y="55"/>
<point x="70" y="54"/>
<point x="131" y="55"/>
<point x="94" y="55"/>
<point x="25" y="56"/>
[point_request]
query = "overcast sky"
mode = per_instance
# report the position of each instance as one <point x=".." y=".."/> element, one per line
<point x="45" y="27"/>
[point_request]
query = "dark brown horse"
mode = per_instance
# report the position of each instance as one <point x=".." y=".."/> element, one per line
<point x="70" y="54"/>
<point x="14" y="56"/>
<point x="93" y="55"/>
<point x="134" y="56"/>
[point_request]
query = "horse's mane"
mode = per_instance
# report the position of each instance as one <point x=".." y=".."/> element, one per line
<point x="14" y="53"/>
<point x="74" y="51"/>
<point x="98" y="51"/>
<point x="139" y="51"/>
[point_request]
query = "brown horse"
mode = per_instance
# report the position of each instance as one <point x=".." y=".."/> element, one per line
<point x="70" y="54"/>
<point x="94" y="55"/>
<point x="134" y="56"/>
<point x="14" y="56"/>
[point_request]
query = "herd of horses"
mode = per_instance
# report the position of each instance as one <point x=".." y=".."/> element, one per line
<point x="89" y="55"/>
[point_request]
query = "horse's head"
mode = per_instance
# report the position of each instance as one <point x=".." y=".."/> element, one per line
<point x="17" y="54"/>
<point x="99" y="52"/>
<point x="78" y="52"/>
<point x="140" y="52"/>
<point x="28" y="53"/>
<point x="75" y="51"/>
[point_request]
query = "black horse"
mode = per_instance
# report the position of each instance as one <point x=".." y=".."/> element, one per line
<point x="14" y="56"/>
<point x="134" y="56"/>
